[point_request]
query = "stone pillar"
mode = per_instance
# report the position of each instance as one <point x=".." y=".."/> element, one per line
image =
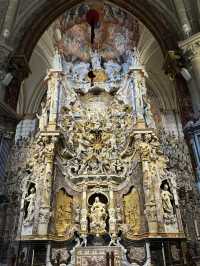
<point x="192" y="46"/>
<point x="148" y="252"/>
<point x="45" y="207"/>
<point x="148" y="184"/>
<point x="10" y="18"/>
<point x="180" y="8"/>
<point x="112" y="213"/>
<point x="5" y="51"/>
<point x="192" y="136"/>
<point x="84" y="211"/>
<point x="48" y="254"/>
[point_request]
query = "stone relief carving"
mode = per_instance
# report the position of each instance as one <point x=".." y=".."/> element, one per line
<point x="59" y="256"/>
<point x="132" y="212"/>
<point x="101" y="145"/>
<point x="63" y="213"/>
<point x="179" y="162"/>
<point x="93" y="144"/>
<point x="136" y="254"/>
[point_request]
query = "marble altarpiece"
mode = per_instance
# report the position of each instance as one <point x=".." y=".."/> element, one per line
<point x="100" y="181"/>
<point x="98" y="174"/>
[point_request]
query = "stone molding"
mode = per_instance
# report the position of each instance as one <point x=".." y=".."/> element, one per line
<point x="192" y="45"/>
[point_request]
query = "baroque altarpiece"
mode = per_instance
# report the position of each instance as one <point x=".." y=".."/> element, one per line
<point x="98" y="184"/>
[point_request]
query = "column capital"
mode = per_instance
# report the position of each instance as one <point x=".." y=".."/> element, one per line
<point x="191" y="45"/>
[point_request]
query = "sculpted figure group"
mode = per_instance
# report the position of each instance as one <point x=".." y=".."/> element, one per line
<point x="98" y="217"/>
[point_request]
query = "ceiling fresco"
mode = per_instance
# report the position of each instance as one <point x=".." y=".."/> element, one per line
<point x="115" y="33"/>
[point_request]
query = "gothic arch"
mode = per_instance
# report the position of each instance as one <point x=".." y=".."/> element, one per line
<point x="36" y="18"/>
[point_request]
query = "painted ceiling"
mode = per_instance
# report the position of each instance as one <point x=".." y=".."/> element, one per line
<point x="116" y="32"/>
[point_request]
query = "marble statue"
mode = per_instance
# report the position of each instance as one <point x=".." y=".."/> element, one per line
<point x="30" y="200"/>
<point x="98" y="217"/>
<point x="127" y="92"/>
<point x="57" y="61"/>
<point x="80" y="71"/>
<point x="43" y="117"/>
<point x="84" y="240"/>
<point x="133" y="59"/>
<point x="148" y="116"/>
<point x="166" y="200"/>
<point x="96" y="60"/>
<point x="112" y="70"/>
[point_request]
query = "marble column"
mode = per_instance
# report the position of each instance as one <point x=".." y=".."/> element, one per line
<point x="84" y="211"/>
<point x="192" y="46"/>
<point x="5" y="52"/>
<point x="45" y="207"/>
<point x="112" y="213"/>
<point x="181" y="11"/>
<point x="48" y="254"/>
<point x="10" y="18"/>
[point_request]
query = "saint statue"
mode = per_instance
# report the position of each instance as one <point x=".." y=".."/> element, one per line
<point x="98" y="217"/>
<point x="57" y="61"/>
<point x="148" y="116"/>
<point x="96" y="60"/>
<point x="166" y="200"/>
<point x="43" y="117"/>
<point x="30" y="199"/>
<point x="133" y="59"/>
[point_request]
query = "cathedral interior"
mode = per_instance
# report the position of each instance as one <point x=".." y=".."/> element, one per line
<point x="99" y="133"/>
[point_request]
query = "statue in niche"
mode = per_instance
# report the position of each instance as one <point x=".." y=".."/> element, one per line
<point x="167" y="197"/>
<point x="43" y="118"/>
<point x="133" y="58"/>
<point x="148" y="116"/>
<point x="98" y="217"/>
<point x="30" y="206"/>
<point x="132" y="212"/>
<point x="96" y="60"/>
<point x="167" y="206"/>
<point x="63" y="214"/>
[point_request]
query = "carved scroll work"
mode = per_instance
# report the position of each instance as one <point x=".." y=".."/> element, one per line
<point x="132" y="212"/>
